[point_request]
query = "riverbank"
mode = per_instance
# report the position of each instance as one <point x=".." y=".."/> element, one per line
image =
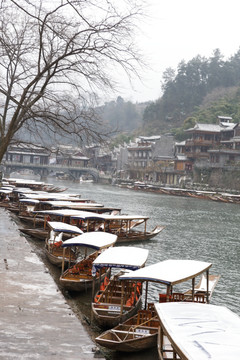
<point x="36" y="321"/>
<point x="227" y="196"/>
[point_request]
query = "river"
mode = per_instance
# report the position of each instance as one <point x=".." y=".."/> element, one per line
<point x="195" y="229"/>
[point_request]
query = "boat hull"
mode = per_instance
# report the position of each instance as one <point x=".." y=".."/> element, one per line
<point x="36" y="233"/>
<point x="57" y="260"/>
<point x="138" y="333"/>
<point x="133" y="236"/>
<point x="110" y="319"/>
<point x="31" y="220"/>
<point x="132" y="345"/>
<point x="80" y="284"/>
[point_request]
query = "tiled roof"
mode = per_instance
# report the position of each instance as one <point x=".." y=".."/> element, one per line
<point x="206" y="127"/>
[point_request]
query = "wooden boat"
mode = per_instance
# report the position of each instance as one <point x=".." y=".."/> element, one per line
<point x="37" y="233"/>
<point x="136" y="235"/>
<point x="202" y="287"/>
<point x="54" y="251"/>
<point x="46" y="215"/>
<point x="26" y="207"/>
<point x="5" y="197"/>
<point x="30" y="215"/>
<point x="135" y="334"/>
<point x="85" y="179"/>
<point x="117" y="301"/>
<point x="83" y="205"/>
<point x="121" y="225"/>
<point x="137" y="337"/>
<point x="190" y="331"/>
<point x="34" y="185"/>
<point x="124" y="226"/>
<point x="79" y="276"/>
<point x="173" y="272"/>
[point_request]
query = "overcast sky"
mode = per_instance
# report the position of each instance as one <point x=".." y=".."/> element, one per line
<point x="181" y="29"/>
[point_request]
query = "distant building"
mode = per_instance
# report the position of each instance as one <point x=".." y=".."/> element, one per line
<point x="27" y="154"/>
<point x="205" y="137"/>
<point x="140" y="156"/>
<point x="69" y="156"/>
<point x="228" y="153"/>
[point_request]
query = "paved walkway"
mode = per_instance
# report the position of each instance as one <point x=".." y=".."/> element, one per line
<point x="35" y="320"/>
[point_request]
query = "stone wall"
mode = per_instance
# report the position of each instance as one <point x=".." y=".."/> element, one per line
<point x="218" y="178"/>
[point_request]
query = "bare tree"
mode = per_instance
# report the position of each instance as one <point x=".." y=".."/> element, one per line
<point x="55" y="56"/>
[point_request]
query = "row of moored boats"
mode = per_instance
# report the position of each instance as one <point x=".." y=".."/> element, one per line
<point x="219" y="196"/>
<point x="82" y="236"/>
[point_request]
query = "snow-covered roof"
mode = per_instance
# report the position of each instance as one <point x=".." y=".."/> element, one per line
<point x="225" y="117"/>
<point x="205" y="127"/>
<point x="224" y="126"/>
<point x="150" y="138"/>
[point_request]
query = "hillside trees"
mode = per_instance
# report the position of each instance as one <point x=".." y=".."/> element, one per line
<point x="186" y="90"/>
<point x="55" y="57"/>
<point x="121" y="115"/>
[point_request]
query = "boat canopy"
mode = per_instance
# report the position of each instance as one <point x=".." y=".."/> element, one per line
<point x="127" y="257"/>
<point x="169" y="272"/>
<point x="7" y="187"/>
<point x="94" y="239"/>
<point x="50" y="196"/>
<point x="59" y="226"/>
<point x="200" y="332"/>
<point x="111" y="217"/>
<point x="5" y="191"/>
<point x="125" y="217"/>
<point x="25" y="182"/>
<point x="75" y="214"/>
<point x="82" y="203"/>
<point x="29" y="201"/>
<point x="24" y="191"/>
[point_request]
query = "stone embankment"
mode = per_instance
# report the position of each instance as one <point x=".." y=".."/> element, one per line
<point x="35" y="322"/>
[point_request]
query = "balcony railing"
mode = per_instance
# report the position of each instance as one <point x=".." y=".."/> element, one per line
<point x="198" y="142"/>
<point x="197" y="155"/>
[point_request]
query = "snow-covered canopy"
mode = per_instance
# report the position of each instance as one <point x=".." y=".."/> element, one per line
<point x="127" y="257"/>
<point x="201" y="332"/>
<point x="169" y="272"/>
<point x="96" y="240"/>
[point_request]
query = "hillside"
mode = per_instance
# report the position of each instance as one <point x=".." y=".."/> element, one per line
<point x="199" y="90"/>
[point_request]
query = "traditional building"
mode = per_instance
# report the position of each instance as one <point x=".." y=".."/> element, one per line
<point x="205" y="137"/>
<point x="228" y="152"/>
<point x="27" y="154"/>
<point x="68" y="156"/>
<point x="140" y="156"/>
<point x="182" y="162"/>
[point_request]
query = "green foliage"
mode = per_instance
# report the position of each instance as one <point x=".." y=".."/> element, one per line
<point x="189" y="122"/>
<point x="226" y="105"/>
<point x="185" y="92"/>
<point x="120" y="140"/>
<point x="180" y="134"/>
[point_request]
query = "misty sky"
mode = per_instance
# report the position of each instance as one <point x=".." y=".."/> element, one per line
<point x="181" y="29"/>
